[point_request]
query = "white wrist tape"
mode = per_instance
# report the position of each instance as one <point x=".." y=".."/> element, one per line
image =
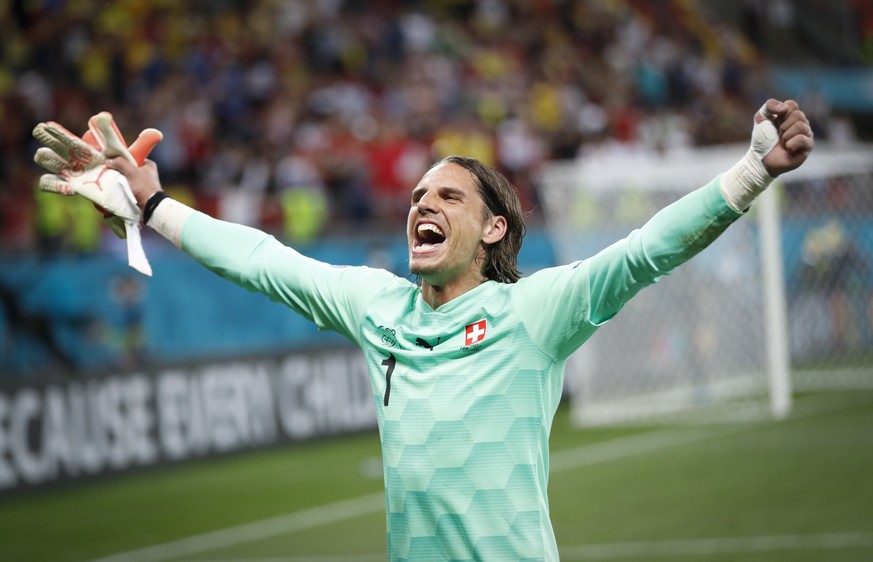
<point x="748" y="178"/>
<point x="169" y="218"/>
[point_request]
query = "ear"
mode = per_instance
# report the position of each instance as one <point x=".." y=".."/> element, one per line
<point x="494" y="229"/>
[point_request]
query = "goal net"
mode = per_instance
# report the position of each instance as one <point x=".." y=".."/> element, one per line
<point x="782" y="302"/>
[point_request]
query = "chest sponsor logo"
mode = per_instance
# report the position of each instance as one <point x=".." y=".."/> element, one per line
<point x="388" y="336"/>
<point x="475" y="333"/>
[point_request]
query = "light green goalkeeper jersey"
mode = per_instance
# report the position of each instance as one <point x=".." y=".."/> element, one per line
<point x="465" y="394"/>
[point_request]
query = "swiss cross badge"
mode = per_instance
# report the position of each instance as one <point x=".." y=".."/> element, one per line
<point x="474" y="333"/>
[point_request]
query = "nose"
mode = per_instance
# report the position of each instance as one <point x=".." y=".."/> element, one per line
<point x="426" y="204"/>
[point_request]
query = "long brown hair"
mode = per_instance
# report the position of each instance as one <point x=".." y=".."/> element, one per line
<point x="501" y="198"/>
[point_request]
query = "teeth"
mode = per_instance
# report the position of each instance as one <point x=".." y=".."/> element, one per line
<point x="431" y="227"/>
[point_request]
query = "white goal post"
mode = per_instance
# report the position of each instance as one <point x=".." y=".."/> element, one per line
<point x="717" y="339"/>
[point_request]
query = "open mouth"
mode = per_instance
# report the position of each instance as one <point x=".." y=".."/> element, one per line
<point x="428" y="237"/>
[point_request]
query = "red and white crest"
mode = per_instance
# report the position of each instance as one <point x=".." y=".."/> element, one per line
<point x="475" y="332"/>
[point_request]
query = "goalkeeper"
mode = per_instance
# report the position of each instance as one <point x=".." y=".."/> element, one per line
<point x="466" y="366"/>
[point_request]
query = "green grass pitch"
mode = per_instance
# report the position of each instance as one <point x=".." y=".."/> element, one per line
<point x="794" y="490"/>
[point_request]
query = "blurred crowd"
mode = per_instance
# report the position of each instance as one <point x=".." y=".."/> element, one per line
<point x="306" y="116"/>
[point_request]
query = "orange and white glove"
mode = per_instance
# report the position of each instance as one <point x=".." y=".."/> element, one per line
<point x="77" y="167"/>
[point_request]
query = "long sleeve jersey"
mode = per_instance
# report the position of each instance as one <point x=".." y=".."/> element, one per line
<point x="465" y="394"/>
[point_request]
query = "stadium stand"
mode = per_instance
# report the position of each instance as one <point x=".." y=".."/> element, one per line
<point x="311" y="119"/>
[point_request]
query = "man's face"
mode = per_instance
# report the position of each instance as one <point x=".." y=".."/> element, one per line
<point x="446" y="226"/>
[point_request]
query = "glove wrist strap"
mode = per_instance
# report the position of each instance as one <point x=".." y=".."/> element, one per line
<point x="152" y="204"/>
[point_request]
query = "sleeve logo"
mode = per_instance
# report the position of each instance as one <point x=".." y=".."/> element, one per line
<point x="474" y="333"/>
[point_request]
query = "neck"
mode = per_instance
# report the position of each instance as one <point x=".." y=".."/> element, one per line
<point x="438" y="295"/>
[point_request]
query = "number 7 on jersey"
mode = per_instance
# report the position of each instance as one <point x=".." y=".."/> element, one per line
<point x="390" y="362"/>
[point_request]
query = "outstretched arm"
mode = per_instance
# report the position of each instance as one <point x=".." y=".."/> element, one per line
<point x="228" y="249"/>
<point x="333" y="298"/>
<point x="781" y="141"/>
<point x="600" y="286"/>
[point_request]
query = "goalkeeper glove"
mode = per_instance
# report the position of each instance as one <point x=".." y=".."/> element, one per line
<point x="67" y="156"/>
<point x="78" y="168"/>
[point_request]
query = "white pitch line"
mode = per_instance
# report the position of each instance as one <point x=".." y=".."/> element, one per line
<point x="256" y="530"/>
<point x="714" y="546"/>
<point x="631" y="446"/>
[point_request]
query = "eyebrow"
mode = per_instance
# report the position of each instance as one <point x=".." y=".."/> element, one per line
<point x="440" y="189"/>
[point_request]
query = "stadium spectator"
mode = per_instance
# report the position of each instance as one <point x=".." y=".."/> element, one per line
<point x="291" y="76"/>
